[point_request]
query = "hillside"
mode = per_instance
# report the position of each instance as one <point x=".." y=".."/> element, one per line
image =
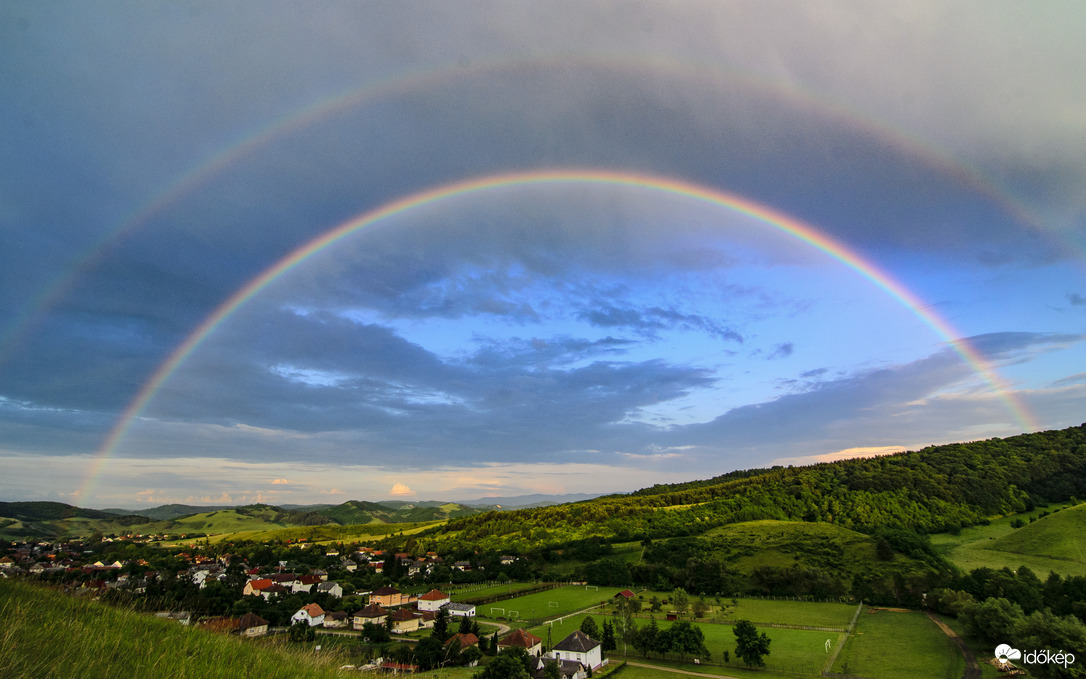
<point x="34" y="645"/>
<point x="1061" y="535"/>
<point x="927" y="491"/>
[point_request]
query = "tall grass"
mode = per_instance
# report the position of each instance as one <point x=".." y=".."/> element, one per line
<point x="44" y="633"/>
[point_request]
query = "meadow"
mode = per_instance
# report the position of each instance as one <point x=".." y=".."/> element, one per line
<point x="551" y="603"/>
<point x="1056" y="542"/>
<point x="891" y="644"/>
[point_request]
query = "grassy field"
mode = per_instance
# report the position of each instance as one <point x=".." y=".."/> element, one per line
<point x="1053" y="543"/>
<point x="889" y="645"/>
<point x="568" y="598"/>
<point x="787" y="543"/>
<point x="790" y="650"/>
<point x="328" y="532"/>
<point x="813" y="614"/>
<point x="474" y="592"/>
<point x="49" y="634"/>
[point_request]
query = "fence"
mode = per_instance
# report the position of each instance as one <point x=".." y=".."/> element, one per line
<point x="837" y="651"/>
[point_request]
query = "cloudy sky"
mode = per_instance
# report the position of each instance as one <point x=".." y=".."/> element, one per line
<point x="582" y="247"/>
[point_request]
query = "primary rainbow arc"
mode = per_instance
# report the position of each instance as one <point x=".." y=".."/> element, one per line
<point x="762" y="213"/>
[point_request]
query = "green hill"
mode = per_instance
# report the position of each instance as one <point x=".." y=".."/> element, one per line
<point x="940" y="488"/>
<point x="357" y="512"/>
<point x="40" y="626"/>
<point x="1061" y="535"/>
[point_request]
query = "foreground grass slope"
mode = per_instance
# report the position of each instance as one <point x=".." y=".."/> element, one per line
<point x="49" y="634"/>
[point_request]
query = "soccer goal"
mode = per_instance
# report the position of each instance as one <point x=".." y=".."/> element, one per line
<point x="591" y="588"/>
<point x="552" y="604"/>
<point x="492" y="609"/>
<point x="514" y="615"/>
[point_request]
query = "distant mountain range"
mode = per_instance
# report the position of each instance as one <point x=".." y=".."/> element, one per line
<point x="53" y="519"/>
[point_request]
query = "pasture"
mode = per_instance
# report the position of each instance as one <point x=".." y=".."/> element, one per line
<point x="889" y="644"/>
<point x="551" y="603"/>
<point x="1053" y="543"/>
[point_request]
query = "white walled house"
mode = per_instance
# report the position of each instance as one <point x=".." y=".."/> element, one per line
<point x="580" y="647"/>
<point x="433" y="600"/>
<point x="310" y="614"/>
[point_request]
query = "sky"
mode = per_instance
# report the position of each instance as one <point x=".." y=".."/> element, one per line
<point x="295" y="253"/>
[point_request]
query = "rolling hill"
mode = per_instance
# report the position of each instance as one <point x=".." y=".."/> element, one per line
<point x="1061" y="535"/>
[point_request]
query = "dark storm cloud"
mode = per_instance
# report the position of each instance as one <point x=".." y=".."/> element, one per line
<point x="321" y="373"/>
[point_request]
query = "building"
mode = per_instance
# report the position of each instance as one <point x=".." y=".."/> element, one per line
<point x="519" y="638"/>
<point x="372" y="614"/>
<point x="580" y="647"/>
<point x="311" y="614"/>
<point x="388" y="597"/>
<point x="460" y="610"/>
<point x="433" y="600"/>
<point x="404" y="620"/>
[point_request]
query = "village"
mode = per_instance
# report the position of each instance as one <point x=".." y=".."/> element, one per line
<point x="227" y="593"/>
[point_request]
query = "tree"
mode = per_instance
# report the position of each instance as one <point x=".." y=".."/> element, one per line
<point x="301" y="631"/>
<point x="470" y="655"/>
<point x="440" y="630"/>
<point x="685" y="638"/>
<point x="550" y="670"/>
<point x="608" y="638"/>
<point x="376" y="634"/>
<point x="750" y="645"/>
<point x="700" y="608"/>
<point x="429" y="653"/>
<point x="654" y="604"/>
<point x="507" y="665"/>
<point x="646" y="638"/>
<point x="680" y="600"/>
<point x="465" y="624"/>
<point x="590" y="628"/>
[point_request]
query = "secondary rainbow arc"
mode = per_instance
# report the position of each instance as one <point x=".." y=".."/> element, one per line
<point x="785" y="223"/>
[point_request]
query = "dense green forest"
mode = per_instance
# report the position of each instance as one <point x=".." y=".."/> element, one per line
<point x="936" y="489"/>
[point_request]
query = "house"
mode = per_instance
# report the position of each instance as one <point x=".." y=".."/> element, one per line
<point x="322" y="574"/>
<point x="305" y="583"/>
<point x="256" y="587"/>
<point x="433" y="600"/>
<point x="625" y="594"/>
<point x="311" y="614"/>
<point x="506" y="560"/>
<point x="372" y="614"/>
<point x="335" y="619"/>
<point x="273" y="589"/>
<point x="521" y="639"/>
<point x="332" y="588"/>
<point x="462" y="566"/>
<point x="252" y="625"/>
<point x="580" y="647"/>
<point x="6" y="562"/>
<point x="466" y="640"/>
<point x="460" y="610"/>
<point x="403" y="621"/>
<point x="389" y="596"/>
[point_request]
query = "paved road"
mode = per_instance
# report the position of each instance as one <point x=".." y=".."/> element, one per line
<point x="676" y="671"/>
<point x="972" y="669"/>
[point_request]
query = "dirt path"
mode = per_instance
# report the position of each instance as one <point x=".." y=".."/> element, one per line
<point x="972" y="669"/>
<point x="678" y="671"/>
<point x="502" y="629"/>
